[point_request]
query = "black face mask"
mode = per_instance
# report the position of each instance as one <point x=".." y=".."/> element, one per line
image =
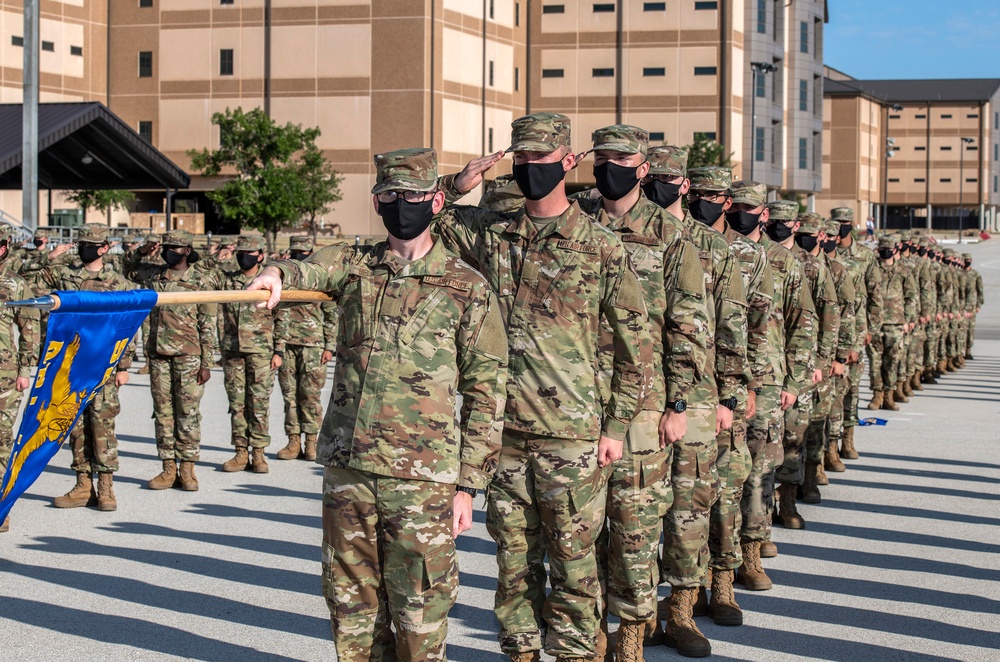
<point x="743" y="221"/>
<point x="615" y="181"/>
<point x="88" y="252"/>
<point x="172" y="257"/>
<point x="806" y="242"/>
<point x="922" y="252"/>
<point x="705" y="211"/>
<point x="885" y="253"/>
<point x="778" y="231"/>
<point x="536" y="180"/>
<point x="38" y="243"/>
<point x="845" y="230"/>
<point x="247" y="261"/>
<point x="829" y="245"/>
<point x="406" y="220"/>
<point x="662" y="193"/>
<point x="300" y="255"/>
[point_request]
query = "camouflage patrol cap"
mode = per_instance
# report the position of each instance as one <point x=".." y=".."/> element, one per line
<point x="831" y="228"/>
<point x="948" y="252"/>
<point x="967" y="257"/>
<point x="749" y="193"/>
<point x="842" y="214"/>
<point x="300" y="243"/>
<point x="248" y="244"/>
<point x="888" y="241"/>
<point x="906" y="236"/>
<point x="783" y="210"/>
<point x="93" y="233"/>
<point x="6" y="232"/>
<point x="923" y="241"/>
<point x="177" y="238"/>
<point x="406" y="170"/>
<point x="227" y="240"/>
<point x="42" y="233"/>
<point x="540" y="132"/>
<point x="152" y="238"/>
<point x="711" y="178"/>
<point x="668" y="160"/>
<point x="502" y="194"/>
<point x="810" y="223"/>
<point x="622" y="138"/>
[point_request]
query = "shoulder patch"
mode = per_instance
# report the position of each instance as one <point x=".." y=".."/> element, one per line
<point x="690" y="275"/>
<point x="577" y="246"/>
<point x="491" y="339"/>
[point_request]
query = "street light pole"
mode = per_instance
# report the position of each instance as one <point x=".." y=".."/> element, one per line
<point x="961" y="183"/>
<point x="759" y="69"/>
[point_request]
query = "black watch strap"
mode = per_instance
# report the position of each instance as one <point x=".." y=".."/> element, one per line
<point x="468" y="490"/>
<point x="729" y="403"/>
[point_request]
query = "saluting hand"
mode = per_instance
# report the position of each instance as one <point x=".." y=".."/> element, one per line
<point x="472" y="174"/>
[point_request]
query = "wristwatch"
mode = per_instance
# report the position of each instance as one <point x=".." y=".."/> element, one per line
<point x="841" y="361"/>
<point x="468" y="490"/>
<point x="729" y="403"/>
<point x="678" y="406"/>
<point x="757" y="389"/>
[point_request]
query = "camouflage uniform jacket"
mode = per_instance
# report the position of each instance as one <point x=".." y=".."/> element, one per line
<point x="846" y="300"/>
<point x="791" y="333"/>
<point x="824" y="295"/>
<point x="412" y="336"/>
<point x="74" y="276"/>
<point x="246" y="328"/>
<point x="971" y="295"/>
<point x="759" y="286"/>
<point x="899" y="301"/>
<point x="872" y="279"/>
<point x="305" y="325"/>
<point x="946" y="289"/>
<point x="553" y="287"/>
<point x="24" y="356"/>
<point x="978" y="278"/>
<point x="187" y="330"/>
<point x="912" y="283"/>
<point x="927" y="286"/>
<point x="674" y="290"/>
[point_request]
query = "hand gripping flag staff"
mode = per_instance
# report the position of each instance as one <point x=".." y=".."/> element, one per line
<point x="87" y="335"/>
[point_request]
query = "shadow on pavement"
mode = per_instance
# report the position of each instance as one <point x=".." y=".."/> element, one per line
<point x="282" y="548"/>
<point x="925" y="489"/>
<point x="929" y="460"/>
<point x="262" y="489"/>
<point x="906" y="511"/>
<point x="920" y="473"/>
<point x="902" y="537"/>
<point x="216" y="510"/>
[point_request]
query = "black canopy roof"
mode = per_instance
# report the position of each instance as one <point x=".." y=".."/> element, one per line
<point x="84" y="146"/>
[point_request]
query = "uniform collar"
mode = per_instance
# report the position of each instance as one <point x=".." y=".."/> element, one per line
<point x="565" y="225"/>
<point x="435" y="263"/>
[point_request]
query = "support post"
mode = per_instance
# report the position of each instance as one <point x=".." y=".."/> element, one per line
<point x="29" y="135"/>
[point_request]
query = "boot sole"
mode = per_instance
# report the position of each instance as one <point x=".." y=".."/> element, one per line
<point x="812" y="500"/>
<point x="730" y="621"/>
<point x="669" y="641"/>
<point x="231" y="470"/>
<point x="73" y="504"/>
<point x="837" y="469"/>
<point x="754" y="586"/>
<point x="107" y="508"/>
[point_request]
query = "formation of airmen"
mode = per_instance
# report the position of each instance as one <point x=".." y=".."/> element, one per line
<point x="668" y="358"/>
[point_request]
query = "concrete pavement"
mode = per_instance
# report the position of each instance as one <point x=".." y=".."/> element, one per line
<point x="900" y="561"/>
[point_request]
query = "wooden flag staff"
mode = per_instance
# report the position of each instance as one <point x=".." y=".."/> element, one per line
<point x="51" y="301"/>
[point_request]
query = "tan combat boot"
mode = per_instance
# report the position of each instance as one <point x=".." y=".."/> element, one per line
<point x="810" y="489"/>
<point x="701" y="607"/>
<point x="106" y="500"/>
<point x="848" y="451"/>
<point x="5" y="527"/>
<point x="310" y="452"/>
<point x="915" y="381"/>
<point x="950" y="366"/>
<point x="831" y="460"/>
<point x="189" y="482"/>
<point x="292" y="450"/>
<point x="787" y="512"/>
<point x="144" y="370"/>
<point x="960" y="361"/>
<point x="601" y="643"/>
<point x="942" y="367"/>
<point x="907" y="388"/>
<point x="258" y="462"/>
<point x="888" y="401"/>
<point x="653" y="635"/>
<point x="752" y="574"/>
<point x="928" y="377"/>
<point x="239" y="461"/>
<point x="681" y="632"/>
<point x="166" y="478"/>
<point x="81" y="495"/>
<point x="876" y="402"/>
<point x="628" y="648"/>
<point x="900" y="393"/>
<point x="821" y="477"/>
<point x="725" y="611"/>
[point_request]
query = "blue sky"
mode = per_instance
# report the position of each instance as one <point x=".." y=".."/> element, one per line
<point x="914" y="38"/>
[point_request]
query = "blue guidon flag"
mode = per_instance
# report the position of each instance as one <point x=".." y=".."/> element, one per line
<point x="87" y="336"/>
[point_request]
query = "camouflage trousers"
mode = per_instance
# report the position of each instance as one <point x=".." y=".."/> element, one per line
<point x="970" y="334"/>
<point x="547" y="499"/>
<point x="695" y="481"/>
<point x="930" y="344"/>
<point x="388" y="562"/>
<point x="893" y="347"/>
<point x="792" y="470"/>
<point x="841" y="388"/>
<point x="818" y="430"/>
<point x="876" y="353"/>
<point x="173" y="381"/>
<point x="951" y="346"/>
<point x="10" y="404"/>
<point x="915" y="350"/>
<point x="301" y="377"/>
<point x="93" y="440"/>
<point x="733" y="464"/>
<point x="962" y="335"/>
<point x="764" y="433"/>
<point x="855" y="372"/>
<point x="639" y="495"/>
<point x="249" y="381"/>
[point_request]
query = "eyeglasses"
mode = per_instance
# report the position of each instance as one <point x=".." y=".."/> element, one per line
<point x="389" y="197"/>
<point x="711" y="196"/>
<point x="666" y="179"/>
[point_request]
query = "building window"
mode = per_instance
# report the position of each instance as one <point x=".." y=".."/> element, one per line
<point x="491" y="16"/>
<point x="996" y="121"/>
<point x="17" y="41"/>
<point x="705" y="135"/>
<point x="656" y="136"/>
<point x="226" y="62"/>
<point x="654" y="6"/>
<point x="145" y="64"/>
<point x="704" y="71"/>
<point x="758" y="144"/>
<point x="894" y="117"/>
<point x="920" y="148"/>
<point x="803" y="95"/>
<point x="803" y="154"/>
<point x="762" y="16"/>
<point x="894" y="180"/>
<point x="946" y="117"/>
<point x="654" y="71"/>
<point x="996" y="184"/>
<point x="921" y="117"/>
<point x="803" y="37"/>
<point x="552" y="73"/>
<point x="601" y="7"/>
<point x="49" y="46"/>
<point x="491" y="74"/>
<point x="706" y="5"/>
<point x="945" y="148"/>
<point x="996" y="152"/>
<point x="145" y="3"/>
<point x="972" y="148"/>
<point x="553" y="9"/>
<point x="604" y="72"/>
<point x="517" y="79"/>
<point x="225" y="2"/>
<point x="775" y="142"/>
<point x="776" y="17"/>
<point x="971" y="180"/>
<point x="517" y="14"/>
<point x="76" y="50"/>
<point x="946" y="180"/>
<point x="761" y="91"/>
<point x="919" y="180"/>
<point x="146" y="131"/>
<point x="972" y="116"/>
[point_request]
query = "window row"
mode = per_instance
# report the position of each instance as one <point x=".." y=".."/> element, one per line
<point x="945" y="116"/>
<point x="47" y="46"/>
<point x="946" y="148"/>
<point x="943" y="180"/>
<point x="149" y="3"/>
<point x="609" y="72"/>
<point x="226" y="63"/>
<point x="609" y="7"/>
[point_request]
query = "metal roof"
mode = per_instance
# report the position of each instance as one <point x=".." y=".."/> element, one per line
<point x="70" y="134"/>
<point x="956" y="90"/>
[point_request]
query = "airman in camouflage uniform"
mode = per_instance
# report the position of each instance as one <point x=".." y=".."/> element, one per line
<point x="861" y="262"/>
<point x="639" y="489"/>
<point x="898" y="306"/>
<point x="418" y="328"/>
<point x="26" y="262"/>
<point x="92" y="440"/>
<point x="179" y="348"/>
<point x="305" y="339"/>
<point x="248" y="359"/>
<point x="947" y="303"/>
<point x="929" y="308"/>
<point x="975" y="301"/>
<point x="17" y="358"/>
<point x="146" y="253"/>
<point x="556" y="272"/>
<point x="911" y="282"/>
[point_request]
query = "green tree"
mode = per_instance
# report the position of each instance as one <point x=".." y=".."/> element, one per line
<point x="320" y="186"/>
<point x="706" y="152"/>
<point x="102" y="200"/>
